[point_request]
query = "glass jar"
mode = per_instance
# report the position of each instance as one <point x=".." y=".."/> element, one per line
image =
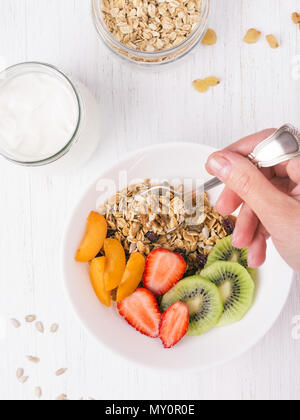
<point x="85" y="138"/>
<point x="150" y="58"/>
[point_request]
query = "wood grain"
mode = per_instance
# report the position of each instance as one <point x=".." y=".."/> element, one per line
<point x="138" y="108"/>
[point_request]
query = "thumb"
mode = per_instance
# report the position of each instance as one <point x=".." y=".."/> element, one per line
<point x="241" y="176"/>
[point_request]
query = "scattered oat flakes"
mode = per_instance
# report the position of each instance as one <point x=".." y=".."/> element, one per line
<point x="62" y="397"/>
<point x="61" y="372"/>
<point x="272" y="40"/>
<point x="252" y="36"/>
<point x="40" y="327"/>
<point x="15" y="323"/>
<point x="23" y="379"/>
<point x="33" y="359"/>
<point x="38" y="392"/>
<point x="30" y="318"/>
<point x="20" y="373"/>
<point x="151" y="25"/>
<point x="210" y="38"/>
<point x="54" y="328"/>
<point x="296" y="18"/>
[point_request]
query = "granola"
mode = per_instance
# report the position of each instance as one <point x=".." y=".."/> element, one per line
<point x="142" y="222"/>
<point x="151" y="25"/>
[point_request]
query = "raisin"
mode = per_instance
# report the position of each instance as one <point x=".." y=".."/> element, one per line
<point x="152" y="237"/>
<point x="111" y="233"/>
<point x="201" y="260"/>
<point x="228" y="225"/>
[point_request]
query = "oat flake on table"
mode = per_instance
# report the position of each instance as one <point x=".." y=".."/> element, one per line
<point x="15" y="323"/>
<point x="33" y="359"/>
<point x="61" y="372"/>
<point x="19" y="373"/>
<point x="40" y="327"/>
<point x="38" y="392"/>
<point x="30" y="318"/>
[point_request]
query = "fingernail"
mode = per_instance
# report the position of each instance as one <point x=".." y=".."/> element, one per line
<point x="220" y="167"/>
<point x="251" y="262"/>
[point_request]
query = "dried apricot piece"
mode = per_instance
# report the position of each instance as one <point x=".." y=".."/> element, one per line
<point x="296" y="18"/>
<point x="272" y="40"/>
<point x="132" y="276"/>
<point x="252" y="36"/>
<point x="97" y="269"/>
<point x="210" y="38"/>
<point x="200" y="85"/>
<point x="212" y="81"/>
<point x="93" y="240"/>
<point x="115" y="263"/>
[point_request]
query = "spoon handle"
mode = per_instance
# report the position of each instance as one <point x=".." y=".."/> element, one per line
<point x="209" y="185"/>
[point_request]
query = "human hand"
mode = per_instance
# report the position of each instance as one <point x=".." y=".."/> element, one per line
<point x="270" y="200"/>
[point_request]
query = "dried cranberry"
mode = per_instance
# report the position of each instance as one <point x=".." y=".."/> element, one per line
<point x="201" y="260"/>
<point x="228" y="225"/>
<point x="111" y="233"/>
<point x="152" y="237"/>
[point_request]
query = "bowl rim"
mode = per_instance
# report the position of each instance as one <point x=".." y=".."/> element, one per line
<point x="235" y="355"/>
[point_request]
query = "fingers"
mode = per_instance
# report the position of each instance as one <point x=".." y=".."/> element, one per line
<point x="257" y="252"/>
<point x="242" y="177"/>
<point x="245" y="229"/>
<point x="293" y="170"/>
<point x="248" y="144"/>
<point x="228" y="202"/>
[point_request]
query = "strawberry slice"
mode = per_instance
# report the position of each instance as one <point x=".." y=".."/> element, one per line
<point x="163" y="270"/>
<point x="141" y="311"/>
<point x="174" y="324"/>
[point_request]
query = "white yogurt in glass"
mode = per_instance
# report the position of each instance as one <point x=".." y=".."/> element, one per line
<point x="44" y="119"/>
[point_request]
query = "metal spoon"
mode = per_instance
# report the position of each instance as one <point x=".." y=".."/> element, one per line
<point x="282" y="146"/>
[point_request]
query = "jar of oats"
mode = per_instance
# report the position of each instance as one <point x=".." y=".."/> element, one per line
<point x="151" y="32"/>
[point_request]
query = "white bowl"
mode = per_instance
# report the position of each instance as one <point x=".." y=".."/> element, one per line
<point x="220" y="345"/>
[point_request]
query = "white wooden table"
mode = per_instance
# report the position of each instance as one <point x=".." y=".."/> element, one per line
<point x="138" y="108"/>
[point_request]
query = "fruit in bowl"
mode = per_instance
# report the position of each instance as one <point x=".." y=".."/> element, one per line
<point x="155" y="293"/>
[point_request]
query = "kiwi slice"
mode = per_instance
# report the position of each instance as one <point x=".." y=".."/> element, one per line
<point x="203" y="299"/>
<point x="225" y="251"/>
<point x="236" y="287"/>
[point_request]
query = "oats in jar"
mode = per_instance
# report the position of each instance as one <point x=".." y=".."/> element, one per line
<point x="151" y="26"/>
